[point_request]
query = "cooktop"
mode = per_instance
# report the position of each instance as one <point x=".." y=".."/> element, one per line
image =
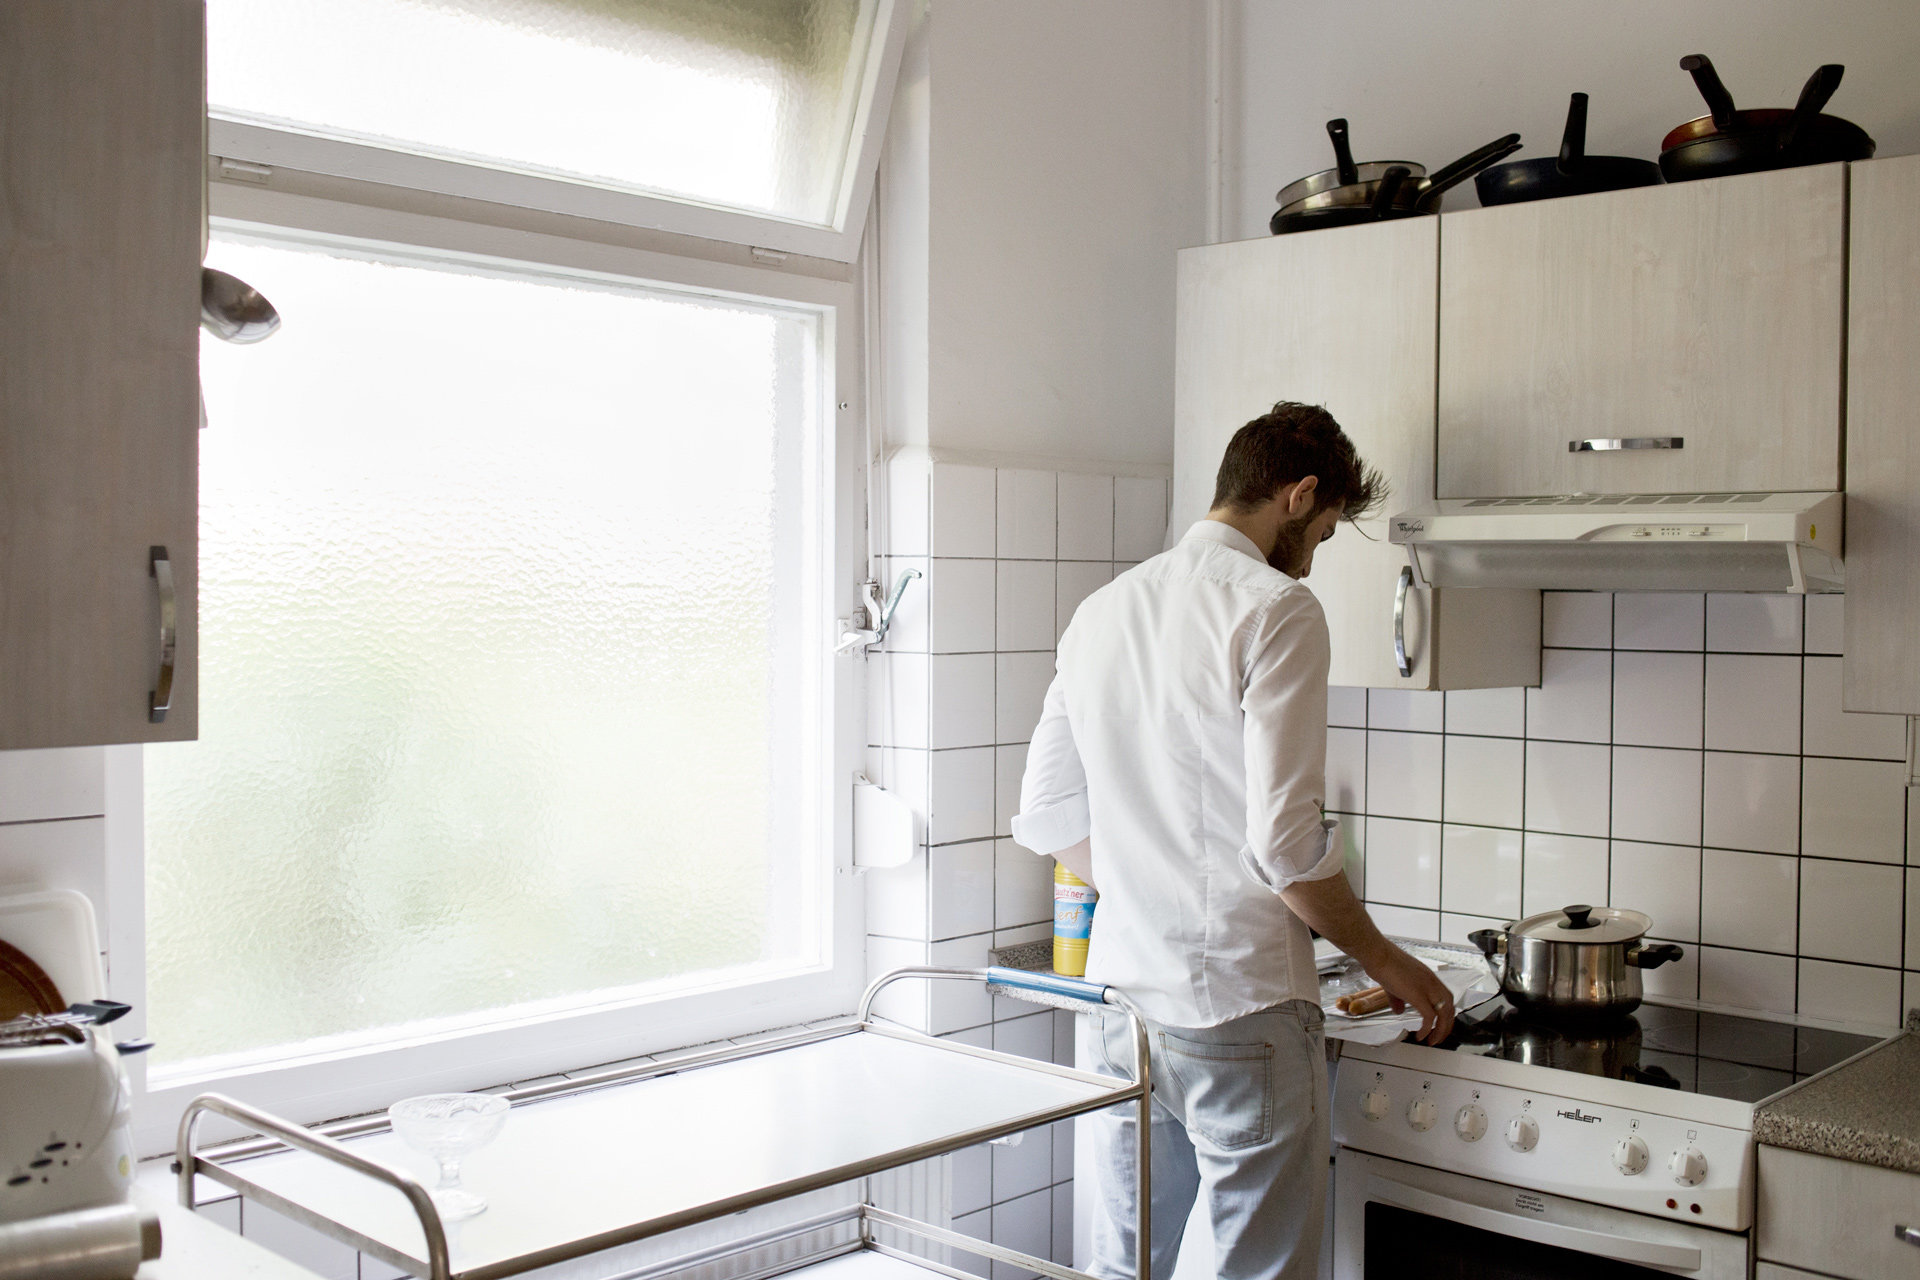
<point x="1718" y="1054"/>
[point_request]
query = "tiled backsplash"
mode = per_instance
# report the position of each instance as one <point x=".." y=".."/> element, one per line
<point x="1685" y="756"/>
<point x="1007" y="554"/>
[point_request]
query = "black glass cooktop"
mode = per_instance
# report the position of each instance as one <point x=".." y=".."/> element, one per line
<point x="1719" y="1054"/>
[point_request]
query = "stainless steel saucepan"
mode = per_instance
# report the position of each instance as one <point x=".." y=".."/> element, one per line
<point x="1579" y="962"/>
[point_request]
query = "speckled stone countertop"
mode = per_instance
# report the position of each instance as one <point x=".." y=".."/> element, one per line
<point x="1866" y="1109"/>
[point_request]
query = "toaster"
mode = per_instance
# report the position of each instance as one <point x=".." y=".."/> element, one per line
<point x="66" y="1133"/>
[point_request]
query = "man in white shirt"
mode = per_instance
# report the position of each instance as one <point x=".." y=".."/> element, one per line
<point x="1180" y="767"/>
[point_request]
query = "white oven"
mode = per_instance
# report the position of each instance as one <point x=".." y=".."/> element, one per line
<point x="1393" y="1220"/>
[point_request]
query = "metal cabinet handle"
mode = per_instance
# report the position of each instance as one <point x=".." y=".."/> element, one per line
<point x="1400" y="621"/>
<point x="1909" y="1234"/>
<point x="160" y="568"/>
<point x="1629" y="442"/>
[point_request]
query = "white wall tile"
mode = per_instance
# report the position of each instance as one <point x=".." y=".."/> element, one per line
<point x="1851" y="911"/>
<point x="1661" y="880"/>
<point x="1748" y="900"/>
<point x="1867" y="998"/>
<point x="1853" y="809"/>
<point x="1575" y="699"/>
<point x="960" y="606"/>
<point x="1074" y="581"/>
<point x="1480" y="871"/>
<point x="299" y="1244"/>
<point x="960" y="795"/>
<point x="907" y="498"/>
<point x="1659" y="620"/>
<point x="1403" y="862"/>
<point x="1825" y="630"/>
<point x="1353" y="834"/>
<point x="1347" y="770"/>
<point x="1497" y="713"/>
<point x="1063" y="1218"/>
<point x="1913" y="826"/>
<point x="1567" y="788"/>
<point x="970" y="1181"/>
<point x="1020" y="687"/>
<point x="1657" y="699"/>
<point x="1009" y="767"/>
<point x="962" y="514"/>
<point x="897" y="899"/>
<point x="978" y="1225"/>
<point x="1025" y="515"/>
<point x="1416" y="710"/>
<point x="66" y="853"/>
<point x="1455" y="927"/>
<point x="1023" y="604"/>
<point x="1740" y="622"/>
<point x="1022" y="886"/>
<point x="1027" y="1166"/>
<point x="954" y="1006"/>
<point x="1563" y="869"/>
<point x="1656" y="795"/>
<point x="906" y="1001"/>
<point x="1910" y="993"/>
<point x="1753" y="702"/>
<point x="1484" y="782"/>
<point x="897" y="700"/>
<point x="1139" y="518"/>
<point x="62" y="782"/>
<point x="1747" y="980"/>
<point x="960" y="700"/>
<point x="1405" y="922"/>
<point x="907" y="632"/>
<point x="1576" y="619"/>
<point x="960" y="888"/>
<point x="1752" y="802"/>
<point x="1830" y="731"/>
<point x="1675" y="980"/>
<point x="1346" y="707"/>
<point x="1403" y="774"/>
<point x="1025" y="1225"/>
<point x="905" y="774"/>
<point x="1086" y="517"/>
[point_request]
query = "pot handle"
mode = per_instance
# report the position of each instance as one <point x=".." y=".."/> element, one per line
<point x="1465" y="167"/>
<point x="1388" y="189"/>
<point x="1492" y="942"/>
<point x="1655" y="956"/>
<point x="1707" y="80"/>
<point x="1813" y="98"/>
<point x="1573" y="143"/>
<point x="1342" y="153"/>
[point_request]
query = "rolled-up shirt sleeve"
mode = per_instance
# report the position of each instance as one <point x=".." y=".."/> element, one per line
<point x="1289" y="838"/>
<point x="1053" y="793"/>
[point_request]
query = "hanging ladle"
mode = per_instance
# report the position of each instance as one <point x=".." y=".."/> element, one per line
<point x="233" y="310"/>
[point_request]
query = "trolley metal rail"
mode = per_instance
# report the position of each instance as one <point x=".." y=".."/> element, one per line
<point x="775" y="1134"/>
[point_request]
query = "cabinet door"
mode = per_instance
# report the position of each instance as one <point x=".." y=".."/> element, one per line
<point x="1883" y="441"/>
<point x="1708" y="311"/>
<point x="1343" y="318"/>
<point x="1838" y="1216"/>
<point x="99" y="331"/>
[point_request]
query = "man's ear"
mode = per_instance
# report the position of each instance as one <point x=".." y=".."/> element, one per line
<point x="1300" y="499"/>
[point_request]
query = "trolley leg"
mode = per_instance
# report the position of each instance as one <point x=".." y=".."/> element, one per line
<point x="1143" y="1157"/>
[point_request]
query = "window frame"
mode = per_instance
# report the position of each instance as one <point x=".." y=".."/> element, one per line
<point x="316" y="208"/>
<point x="246" y="143"/>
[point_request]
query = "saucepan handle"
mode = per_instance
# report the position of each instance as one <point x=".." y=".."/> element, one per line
<point x="1492" y="942"/>
<point x="1655" y="956"/>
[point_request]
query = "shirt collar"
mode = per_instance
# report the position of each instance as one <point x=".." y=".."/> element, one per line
<point x="1226" y="535"/>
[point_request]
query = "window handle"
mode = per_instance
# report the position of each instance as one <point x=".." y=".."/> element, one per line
<point x="1400" y="621"/>
<point x="160" y="569"/>
<point x="1909" y="1234"/>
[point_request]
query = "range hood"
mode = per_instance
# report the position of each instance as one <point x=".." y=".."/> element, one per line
<point x="1628" y="542"/>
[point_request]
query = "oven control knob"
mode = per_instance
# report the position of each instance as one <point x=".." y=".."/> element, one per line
<point x="1630" y="1156"/>
<point x="1689" y="1167"/>
<point x="1523" y="1132"/>
<point x="1470" y="1122"/>
<point x="1374" y="1104"/>
<point x="1421" y="1114"/>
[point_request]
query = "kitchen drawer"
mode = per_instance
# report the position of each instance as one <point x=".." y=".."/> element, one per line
<point x="1837" y="1216"/>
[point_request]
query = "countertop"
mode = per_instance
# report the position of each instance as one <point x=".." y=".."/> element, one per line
<point x="191" y="1248"/>
<point x="1866" y="1109"/>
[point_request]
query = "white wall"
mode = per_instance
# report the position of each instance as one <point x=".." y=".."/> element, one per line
<point x="1427" y="82"/>
<point x="1060" y="147"/>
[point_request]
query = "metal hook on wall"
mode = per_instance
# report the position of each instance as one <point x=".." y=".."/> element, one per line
<point x="879" y="613"/>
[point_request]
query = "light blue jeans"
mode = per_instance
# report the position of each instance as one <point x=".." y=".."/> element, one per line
<point x="1239" y="1109"/>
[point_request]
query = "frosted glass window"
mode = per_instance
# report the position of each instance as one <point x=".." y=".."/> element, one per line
<point x="747" y="104"/>
<point x="499" y="657"/>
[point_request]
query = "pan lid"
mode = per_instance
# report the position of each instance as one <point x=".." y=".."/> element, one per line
<point x="1606" y="926"/>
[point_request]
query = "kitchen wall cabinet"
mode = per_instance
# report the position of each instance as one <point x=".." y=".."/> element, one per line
<point x="1883" y="440"/>
<point x="100" y="226"/>
<point x="1835" y="1216"/>
<point x="1343" y="318"/>
<point x="1707" y="311"/>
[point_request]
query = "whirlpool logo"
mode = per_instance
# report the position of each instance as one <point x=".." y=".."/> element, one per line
<point x="1578" y="1114"/>
<point x="1411" y="526"/>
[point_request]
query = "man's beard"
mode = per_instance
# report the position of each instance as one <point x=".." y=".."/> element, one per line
<point x="1290" y="547"/>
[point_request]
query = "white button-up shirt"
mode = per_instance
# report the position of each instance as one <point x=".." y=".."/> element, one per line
<point x="1185" y="732"/>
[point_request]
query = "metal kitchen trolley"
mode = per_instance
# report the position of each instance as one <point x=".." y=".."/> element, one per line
<point x="616" y="1157"/>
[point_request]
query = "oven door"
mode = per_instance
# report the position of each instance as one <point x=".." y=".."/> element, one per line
<point x="1392" y="1220"/>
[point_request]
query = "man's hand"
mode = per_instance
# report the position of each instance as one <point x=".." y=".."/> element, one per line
<point x="1409" y="982"/>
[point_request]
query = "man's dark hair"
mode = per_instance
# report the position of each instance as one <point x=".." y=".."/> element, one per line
<point x="1286" y="444"/>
